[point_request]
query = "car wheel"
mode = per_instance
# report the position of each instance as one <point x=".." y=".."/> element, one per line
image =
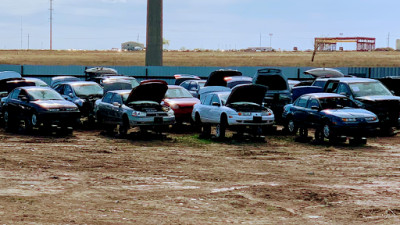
<point x="197" y="123"/>
<point x="291" y="126"/>
<point x="8" y="122"/>
<point x="221" y="128"/>
<point x="328" y="132"/>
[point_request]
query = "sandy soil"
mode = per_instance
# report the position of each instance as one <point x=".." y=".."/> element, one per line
<point x="91" y="178"/>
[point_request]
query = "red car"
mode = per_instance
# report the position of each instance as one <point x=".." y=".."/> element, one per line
<point x="181" y="101"/>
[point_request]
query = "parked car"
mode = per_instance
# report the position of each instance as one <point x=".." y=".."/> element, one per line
<point x="140" y="107"/>
<point x="38" y="107"/>
<point x="231" y="82"/>
<point x="37" y="81"/>
<point x="62" y="79"/>
<point x="193" y="86"/>
<point x="83" y="94"/>
<point x="92" y="73"/>
<point x="181" y="102"/>
<point x="278" y="94"/>
<point x="332" y="115"/>
<point x="369" y="94"/>
<point x="6" y="76"/>
<point x="237" y="109"/>
<point x="392" y="83"/>
<point x="217" y="78"/>
<point x="113" y="85"/>
<point x="108" y="79"/>
<point x="179" y="78"/>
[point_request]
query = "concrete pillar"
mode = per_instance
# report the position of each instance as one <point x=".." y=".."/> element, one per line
<point x="154" y="37"/>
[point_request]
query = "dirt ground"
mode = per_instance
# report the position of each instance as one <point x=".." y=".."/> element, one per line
<point x="92" y="178"/>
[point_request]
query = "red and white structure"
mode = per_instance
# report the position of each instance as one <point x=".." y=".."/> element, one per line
<point x="329" y="43"/>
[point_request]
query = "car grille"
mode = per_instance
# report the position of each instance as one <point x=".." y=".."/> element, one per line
<point x="150" y="114"/>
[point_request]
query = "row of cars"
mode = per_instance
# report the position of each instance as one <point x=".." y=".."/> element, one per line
<point x="227" y="99"/>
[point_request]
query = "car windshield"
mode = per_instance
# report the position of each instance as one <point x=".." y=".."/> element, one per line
<point x="45" y="95"/>
<point x="369" y="89"/>
<point x="336" y="103"/>
<point x="201" y="84"/>
<point x="88" y="89"/>
<point x="125" y="96"/>
<point x="178" y="93"/>
<point x="224" y="97"/>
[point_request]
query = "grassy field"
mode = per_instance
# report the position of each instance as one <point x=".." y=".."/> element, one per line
<point x="222" y="59"/>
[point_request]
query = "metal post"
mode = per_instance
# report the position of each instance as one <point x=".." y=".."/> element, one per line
<point x="154" y="39"/>
<point x="51" y="24"/>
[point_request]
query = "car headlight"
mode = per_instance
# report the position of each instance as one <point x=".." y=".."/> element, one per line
<point x="370" y="119"/>
<point x="138" y="113"/>
<point x="165" y="108"/>
<point x="349" y="119"/>
<point x="174" y="106"/>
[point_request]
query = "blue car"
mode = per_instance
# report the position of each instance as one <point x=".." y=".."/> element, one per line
<point x="332" y="116"/>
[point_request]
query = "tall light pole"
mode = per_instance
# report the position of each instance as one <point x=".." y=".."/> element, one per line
<point x="154" y="37"/>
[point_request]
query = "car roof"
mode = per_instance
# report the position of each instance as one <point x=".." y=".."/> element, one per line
<point x="172" y="86"/>
<point x="324" y="95"/>
<point x="120" y="91"/>
<point x="79" y="82"/>
<point x="35" y="88"/>
<point x="353" y="79"/>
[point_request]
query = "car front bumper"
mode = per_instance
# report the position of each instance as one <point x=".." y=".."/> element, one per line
<point x="151" y="121"/>
<point x="251" y="120"/>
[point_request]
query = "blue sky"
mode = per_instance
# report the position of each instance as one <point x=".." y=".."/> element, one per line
<point x="207" y="24"/>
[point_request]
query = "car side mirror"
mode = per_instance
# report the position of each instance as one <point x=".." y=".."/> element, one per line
<point x="116" y="104"/>
<point x="314" y="107"/>
<point x="216" y="104"/>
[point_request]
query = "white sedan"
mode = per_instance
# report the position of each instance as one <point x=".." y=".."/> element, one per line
<point x="238" y="109"/>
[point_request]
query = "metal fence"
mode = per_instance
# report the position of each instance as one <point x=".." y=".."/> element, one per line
<point x="166" y="72"/>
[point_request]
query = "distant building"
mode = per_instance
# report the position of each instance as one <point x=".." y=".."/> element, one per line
<point x="258" y="49"/>
<point x="132" y="46"/>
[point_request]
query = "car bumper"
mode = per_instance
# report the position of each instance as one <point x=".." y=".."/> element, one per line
<point x="356" y="129"/>
<point x="151" y="121"/>
<point x="251" y="120"/>
<point x="58" y="117"/>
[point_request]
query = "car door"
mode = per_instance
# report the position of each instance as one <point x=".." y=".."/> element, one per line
<point x="12" y="103"/>
<point x="204" y="108"/>
<point x="313" y="110"/>
<point x="116" y="105"/>
<point x="344" y="89"/>
<point x="68" y="93"/>
<point x="299" y="110"/>
<point x="104" y="107"/>
<point x="215" y="109"/>
<point x="22" y="104"/>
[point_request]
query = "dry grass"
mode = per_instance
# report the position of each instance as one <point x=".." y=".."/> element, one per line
<point x="222" y="59"/>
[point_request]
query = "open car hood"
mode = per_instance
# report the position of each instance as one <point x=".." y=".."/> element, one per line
<point x="216" y="78"/>
<point x="378" y="98"/>
<point x="149" y="91"/>
<point x="9" y="74"/>
<point x="324" y="72"/>
<point x="247" y="93"/>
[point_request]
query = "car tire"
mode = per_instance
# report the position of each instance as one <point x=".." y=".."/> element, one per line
<point x="220" y="130"/>
<point x="205" y="130"/>
<point x="9" y="123"/>
<point x="291" y="126"/>
<point x="328" y="132"/>
<point x="197" y="123"/>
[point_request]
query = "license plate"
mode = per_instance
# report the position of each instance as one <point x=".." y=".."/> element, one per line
<point x="257" y="119"/>
<point x="158" y="119"/>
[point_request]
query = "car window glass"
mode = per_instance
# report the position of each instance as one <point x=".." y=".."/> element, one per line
<point x="107" y="98"/>
<point x="207" y="100"/>
<point x="215" y="99"/>
<point x="59" y="88"/>
<point x="302" y="102"/>
<point x="15" y="93"/>
<point x="67" y="90"/>
<point x="313" y="102"/>
<point x="342" y="88"/>
<point x="116" y="98"/>
<point x="22" y="94"/>
<point x="185" y="85"/>
<point x="332" y="87"/>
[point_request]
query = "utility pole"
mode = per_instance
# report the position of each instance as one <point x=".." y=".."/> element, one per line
<point x="154" y="37"/>
<point x="28" y="41"/>
<point x="270" y="40"/>
<point x="260" y="40"/>
<point x="51" y="24"/>
<point x="388" y="39"/>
